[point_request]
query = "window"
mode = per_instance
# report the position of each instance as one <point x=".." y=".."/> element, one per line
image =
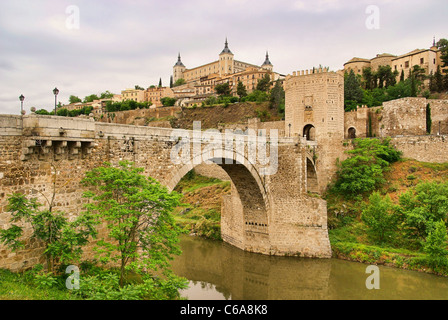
<point x="422" y="60"/>
<point x="406" y="64"/>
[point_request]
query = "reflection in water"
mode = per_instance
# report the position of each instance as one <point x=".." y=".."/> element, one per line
<point x="217" y="270"/>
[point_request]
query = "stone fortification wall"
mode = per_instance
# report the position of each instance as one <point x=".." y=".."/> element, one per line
<point x="406" y="116"/>
<point x="140" y="117"/>
<point x="428" y="148"/>
<point x="401" y="117"/>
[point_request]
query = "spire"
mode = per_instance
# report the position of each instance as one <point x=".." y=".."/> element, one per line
<point x="179" y="62"/>
<point x="267" y="62"/>
<point x="434" y="42"/>
<point x="226" y="48"/>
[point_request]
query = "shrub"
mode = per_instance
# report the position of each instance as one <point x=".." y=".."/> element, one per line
<point x="422" y="206"/>
<point x="363" y="171"/>
<point x="379" y="217"/>
<point x="435" y="245"/>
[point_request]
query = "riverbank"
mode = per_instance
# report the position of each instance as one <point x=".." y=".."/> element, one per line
<point x="349" y="234"/>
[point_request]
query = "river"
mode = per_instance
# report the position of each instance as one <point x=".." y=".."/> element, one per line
<point x="218" y="271"/>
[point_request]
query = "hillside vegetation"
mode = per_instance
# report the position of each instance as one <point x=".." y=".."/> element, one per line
<point x="200" y="212"/>
<point x="400" y="220"/>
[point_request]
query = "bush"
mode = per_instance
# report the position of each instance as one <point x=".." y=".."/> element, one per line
<point x="256" y="96"/>
<point x="422" y="207"/>
<point x="380" y="218"/>
<point x="363" y="171"/>
<point x="435" y="245"/>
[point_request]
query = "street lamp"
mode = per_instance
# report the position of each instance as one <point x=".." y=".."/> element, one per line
<point x="21" y="98"/>
<point x="56" y="92"/>
<point x="289" y="130"/>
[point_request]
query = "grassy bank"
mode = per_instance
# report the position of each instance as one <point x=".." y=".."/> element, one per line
<point x="20" y="286"/>
<point x="349" y="233"/>
<point x="200" y="213"/>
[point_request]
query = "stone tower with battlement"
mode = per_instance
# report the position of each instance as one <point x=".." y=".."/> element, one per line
<point x="314" y="110"/>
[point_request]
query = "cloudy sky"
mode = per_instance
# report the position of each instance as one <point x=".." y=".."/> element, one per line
<point x="84" y="47"/>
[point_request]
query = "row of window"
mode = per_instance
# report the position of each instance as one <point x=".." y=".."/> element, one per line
<point x="406" y="63"/>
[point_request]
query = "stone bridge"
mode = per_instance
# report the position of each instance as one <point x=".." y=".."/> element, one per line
<point x="269" y="210"/>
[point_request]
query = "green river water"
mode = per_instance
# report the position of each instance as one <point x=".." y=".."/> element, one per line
<point x="218" y="271"/>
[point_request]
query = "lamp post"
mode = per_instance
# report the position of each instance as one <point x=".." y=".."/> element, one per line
<point x="56" y="92"/>
<point x="21" y="98"/>
<point x="289" y="130"/>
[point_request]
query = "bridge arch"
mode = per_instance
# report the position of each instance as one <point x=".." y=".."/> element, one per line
<point x="245" y="215"/>
<point x="312" y="183"/>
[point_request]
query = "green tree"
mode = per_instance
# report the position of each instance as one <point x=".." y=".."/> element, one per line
<point x="428" y="119"/>
<point x="167" y="101"/>
<point x="106" y="95"/>
<point x="223" y="89"/>
<point x="241" y="90"/>
<point x="42" y="112"/>
<point x="171" y="81"/>
<point x="422" y="206"/>
<point x="353" y="94"/>
<point x="62" y="112"/>
<point x="179" y="82"/>
<point x="74" y="99"/>
<point x="91" y="98"/>
<point x="402" y="75"/>
<point x="386" y="77"/>
<point x="137" y="87"/>
<point x="264" y="84"/>
<point x="142" y="231"/>
<point x="277" y="98"/>
<point x="363" y="170"/>
<point x="380" y="217"/>
<point x="160" y="82"/>
<point x="438" y="81"/>
<point x="442" y="44"/>
<point x="435" y="244"/>
<point x="369" y="78"/>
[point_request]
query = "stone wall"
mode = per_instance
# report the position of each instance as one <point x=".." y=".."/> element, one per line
<point x="428" y="148"/>
<point x="401" y="117"/>
<point x="406" y="116"/>
<point x="141" y="117"/>
<point x="439" y="116"/>
<point x="356" y="123"/>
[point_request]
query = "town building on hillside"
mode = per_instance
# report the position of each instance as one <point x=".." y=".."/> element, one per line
<point x="427" y="59"/>
<point x="138" y="95"/>
<point x="155" y="94"/>
<point x="200" y="81"/>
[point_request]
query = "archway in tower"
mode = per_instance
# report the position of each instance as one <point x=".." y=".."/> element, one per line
<point x="309" y="132"/>
<point x="352" y="133"/>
